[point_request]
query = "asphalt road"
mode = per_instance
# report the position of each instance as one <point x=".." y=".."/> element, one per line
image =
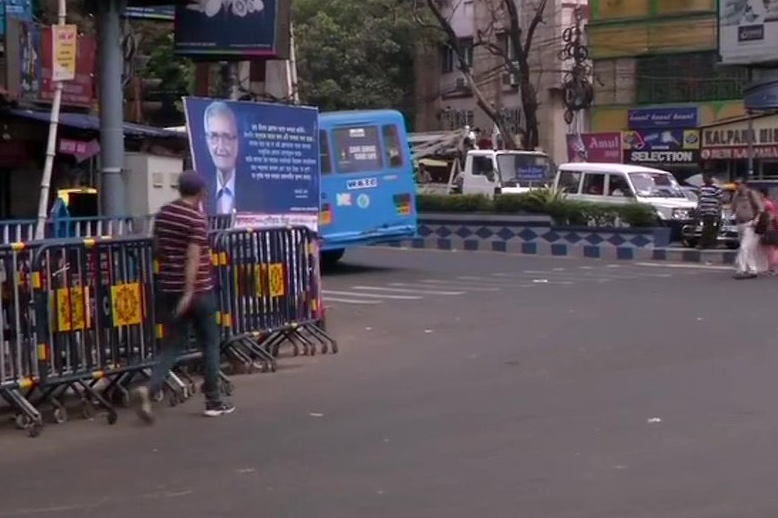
<point x="499" y="385"/>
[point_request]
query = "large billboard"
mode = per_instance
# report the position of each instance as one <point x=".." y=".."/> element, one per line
<point x="261" y="161"/>
<point x="218" y="30"/>
<point x="748" y="31"/>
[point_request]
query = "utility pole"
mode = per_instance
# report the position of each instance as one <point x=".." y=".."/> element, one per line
<point x="578" y="91"/>
<point x="112" y="190"/>
<point x="51" y="145"/>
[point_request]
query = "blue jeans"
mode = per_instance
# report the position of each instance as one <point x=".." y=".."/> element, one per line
<point x="201" y="317"/>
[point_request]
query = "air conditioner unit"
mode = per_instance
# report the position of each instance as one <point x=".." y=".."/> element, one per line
<point x="509" y="79"/>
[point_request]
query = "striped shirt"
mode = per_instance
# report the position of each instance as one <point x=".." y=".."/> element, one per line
<point x="709" y="203"/>
<point x="176" y="226"/>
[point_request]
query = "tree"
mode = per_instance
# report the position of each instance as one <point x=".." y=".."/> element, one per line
<point x="514" y="53"/>
<point x="355" y="54"/>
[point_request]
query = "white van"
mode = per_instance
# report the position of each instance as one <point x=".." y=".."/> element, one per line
<point x="504" y="172"/>
<point x="622" y="183"/>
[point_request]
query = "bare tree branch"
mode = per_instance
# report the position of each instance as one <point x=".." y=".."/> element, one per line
<point x="464" y="68"/>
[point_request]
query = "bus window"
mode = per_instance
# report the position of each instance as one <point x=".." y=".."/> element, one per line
<point x="324" y="153"/>
<point x="357" y="149"/>
<point x="394" y="152"/>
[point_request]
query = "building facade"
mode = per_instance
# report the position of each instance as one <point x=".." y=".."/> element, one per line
<point x="658" y="80"/>
<point x="445" y="101"/>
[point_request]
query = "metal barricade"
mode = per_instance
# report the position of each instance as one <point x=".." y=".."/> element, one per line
<point x="95" y="322"/>
<point x="18" y="364"/>
<point x="268" y="290"/>
<point x="78" y="316"/>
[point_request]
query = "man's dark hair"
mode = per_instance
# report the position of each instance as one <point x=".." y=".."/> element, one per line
<point x="190" y="184"/>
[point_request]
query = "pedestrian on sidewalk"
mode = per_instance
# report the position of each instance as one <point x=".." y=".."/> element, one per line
<point x="709" y="212"/>
<point x="747" y="207"/>
<point x="769" y="238"/>
<point x="185" y="295"/>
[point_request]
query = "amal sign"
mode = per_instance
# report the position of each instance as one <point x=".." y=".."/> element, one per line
<point x="731" y="141"/>
<point x="748" y="31"/>
<point x="594" y="147"/>
<point x="670" y="146"/>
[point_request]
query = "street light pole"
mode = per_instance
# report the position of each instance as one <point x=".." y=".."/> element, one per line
<point x="51" y="145"/>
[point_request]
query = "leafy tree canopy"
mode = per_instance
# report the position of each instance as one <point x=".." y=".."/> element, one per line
<point x="356" y="54"/>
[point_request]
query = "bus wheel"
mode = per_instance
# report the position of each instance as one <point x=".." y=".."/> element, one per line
<point x="330" y="258"/>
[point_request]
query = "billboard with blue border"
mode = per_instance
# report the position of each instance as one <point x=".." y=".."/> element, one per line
<point x="220" y="30"/>
<point x="660" y="118"/>
<point x="261" y="161"/>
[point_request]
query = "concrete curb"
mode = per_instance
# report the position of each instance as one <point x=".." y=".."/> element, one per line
<point x="620" y="253"/>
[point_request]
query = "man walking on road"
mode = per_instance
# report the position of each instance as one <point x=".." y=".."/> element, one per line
<point x="709" y="211"/>
<point x="747" y="207"/>
<point x="185" y="297"/>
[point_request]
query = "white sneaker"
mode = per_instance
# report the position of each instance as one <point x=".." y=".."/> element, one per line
<point x="143" y="409"/>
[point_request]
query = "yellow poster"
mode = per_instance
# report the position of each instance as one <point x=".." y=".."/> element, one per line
<point x="71" y="309"/>
<point x="276" y="274"/>
<point x="126" y="305"/>
<point x="64" y="39"/>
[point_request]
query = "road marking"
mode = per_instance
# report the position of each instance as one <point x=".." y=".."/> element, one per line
<point x="350" y="301"/>
<point x="405" y="290"/>
<point x="687" y="266"/>
<point x="546" y="275"/>
<point x="460" y="285"/>
<point x="501" y="282"/>
<point x="625" y="274"/>
<point x="370" y="295"/>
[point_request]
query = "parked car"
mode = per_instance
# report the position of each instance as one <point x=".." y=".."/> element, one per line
<point x="621" y="184"/>
<point x="728" y="235"/>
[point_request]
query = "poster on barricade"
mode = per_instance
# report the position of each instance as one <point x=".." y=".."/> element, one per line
<point x="261" y="161"/>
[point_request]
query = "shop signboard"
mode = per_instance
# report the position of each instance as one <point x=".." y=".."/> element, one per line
<point x="747" y="31"/>
<point x="666" y="146"/>
<point x="30" y="66"/>
<point x="17" y="9"/>
<point x="217" y="30"/>
<point x="731" y="141"/>
<point x="660" y="118"/>
<point x="594" y="147"/>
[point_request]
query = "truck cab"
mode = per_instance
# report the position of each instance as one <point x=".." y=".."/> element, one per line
<point x="491" y="172"/>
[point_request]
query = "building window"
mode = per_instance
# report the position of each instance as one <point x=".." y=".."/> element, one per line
<point x="681" y="78"/>
<point x="449" y="57"/>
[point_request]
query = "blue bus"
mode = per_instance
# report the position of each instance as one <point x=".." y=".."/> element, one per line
<point x="367" y="186"/>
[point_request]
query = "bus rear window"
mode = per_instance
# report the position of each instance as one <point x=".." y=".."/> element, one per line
<point x="394" y="151"/>
<point x="357" y="149"/>
<point x="324" y="153"/>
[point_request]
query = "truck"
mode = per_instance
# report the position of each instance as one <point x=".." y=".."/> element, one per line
<point x="481" y="171"/>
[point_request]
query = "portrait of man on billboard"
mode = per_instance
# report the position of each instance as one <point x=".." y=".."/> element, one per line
<point x="221" y="134"/>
